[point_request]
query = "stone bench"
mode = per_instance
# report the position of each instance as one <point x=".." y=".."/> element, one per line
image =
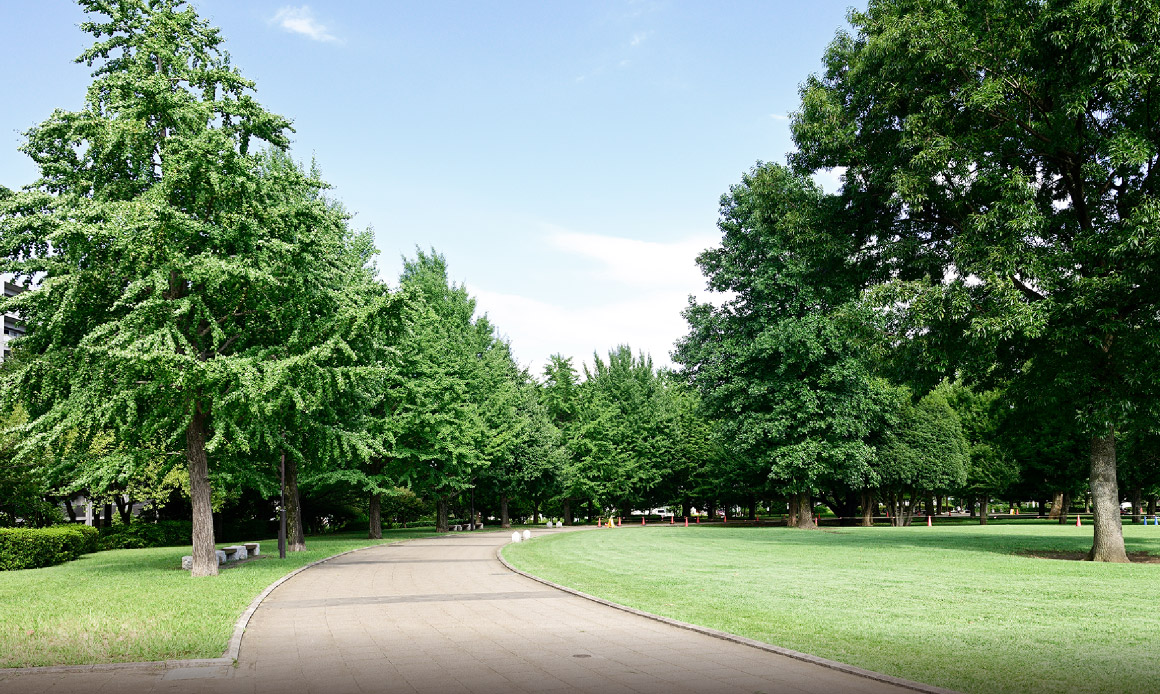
<point x="227" y="554"/>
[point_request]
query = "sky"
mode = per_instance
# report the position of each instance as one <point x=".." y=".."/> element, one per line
<point x="567" y="158"/>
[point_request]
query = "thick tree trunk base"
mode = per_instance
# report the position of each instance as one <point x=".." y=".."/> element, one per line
<point x="205" y="561"/>
<point x="295" y="537"/>
<point x="805" y="520"/>
<point x="375" y="515"/>
<point x="504" y="520"/>
<point x="1108" y="534"/>
<point x="441" y="511"/>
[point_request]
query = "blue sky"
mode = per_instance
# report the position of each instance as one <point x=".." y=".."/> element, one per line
<point x="566" y="158"/>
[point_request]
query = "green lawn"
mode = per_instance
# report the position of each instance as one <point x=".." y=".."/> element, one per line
<point x="138" y="605"/>
<point x="953" y="606"/>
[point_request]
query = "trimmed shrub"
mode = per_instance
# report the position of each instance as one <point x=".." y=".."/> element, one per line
<point x="173" y="533"/>
<point x="33" y="548"/>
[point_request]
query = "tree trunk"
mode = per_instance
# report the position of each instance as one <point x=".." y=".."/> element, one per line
<point x="441" y="509"/>
<point x="1151" y="506"/>
<point x="375" y="516"/>
<point x="687" y="508"/>
<point x="712" y="509"/>
<point x="984" y="509"/>
<point x="567" y="510"/>
<point x="107" y="515"/>
<point x="205" y="561"/>
<point x="1056" y="505"/>
<point x="295" y="538"/>
<point x="1108" y="536"/>
<point x="504" y="521"/>
<point x="1137" y="505"/>
<point x="752" y="507"/>
<point x="1064" y="507"/>
<point x="124" y="508"/>
<point x="791" y="518"/>
<point x="72" y="512"/>
<point x="867" y="508"/>
<point x="805" y="511"/>
<point x="971" y="503"/>
<point x="535" y="512"/>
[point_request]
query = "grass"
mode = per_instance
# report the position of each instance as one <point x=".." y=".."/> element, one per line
<point x="957" y="606"/>
<point x="138" y="605"/>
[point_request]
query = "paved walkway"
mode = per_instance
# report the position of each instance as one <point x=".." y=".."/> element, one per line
<point x="444" y="616"/>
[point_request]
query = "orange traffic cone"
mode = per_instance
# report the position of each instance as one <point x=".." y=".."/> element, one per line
<point x="928" y="523"/>
<point x="619" y="521"/>
<point x="686" y="521"/>
<point x="642" y="520"/>
<point x="1077" y="523"/>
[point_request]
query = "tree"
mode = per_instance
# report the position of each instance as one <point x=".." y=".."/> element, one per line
<point x="630" y="429"/>
<point x="1005" y="151"/>
<point x="434" y="424"/>
<point x="991" y="470"/>
<point x="780" y="365"/>
<point x="160" y="262"/>
<point x="925" y="453"/>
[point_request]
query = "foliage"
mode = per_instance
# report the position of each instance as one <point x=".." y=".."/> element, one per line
<point x="24" y="481"/>
<point x="1001" y="153"/>
<point x="165" y="533"/>
<point x="33" y="548"/>
<point x="992" y="470"/>
<point x="925" y="452"/>
<point x="782" y="364"/>
<point x="171" y="256"/>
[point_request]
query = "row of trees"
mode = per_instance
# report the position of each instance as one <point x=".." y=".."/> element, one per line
<point x="970" y="315"/>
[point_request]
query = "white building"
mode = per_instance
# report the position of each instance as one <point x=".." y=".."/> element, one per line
<point x="13" y="328"/>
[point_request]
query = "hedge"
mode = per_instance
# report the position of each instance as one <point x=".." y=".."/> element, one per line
<point x="32" y="548"/>
<point x="169" y="533"/>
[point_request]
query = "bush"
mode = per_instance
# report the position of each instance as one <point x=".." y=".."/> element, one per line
<point x="173" y="533"/>
<point x="32" y="548"/>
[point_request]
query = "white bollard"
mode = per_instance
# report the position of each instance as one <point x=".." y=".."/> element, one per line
<point x="527" y="534"/>
<point x="549" y="524"/>
<point x="559" y="524"/>
<point x="516" y="536"/>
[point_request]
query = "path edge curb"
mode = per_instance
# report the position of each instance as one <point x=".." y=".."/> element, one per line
<point x="726" y="636"/>
<point x="233" y="646"/>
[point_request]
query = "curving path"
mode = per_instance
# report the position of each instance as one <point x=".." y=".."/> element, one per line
<point x="444" y="616"/>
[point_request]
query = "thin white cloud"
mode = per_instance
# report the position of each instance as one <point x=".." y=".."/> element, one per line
<point x="301" y="20"/>
<point x="639" y="38"/>
<point x="647" y="264"/>
<point x="649" y="322"/>
<point x="778" y="116"/>
<point x="651" y="282"/>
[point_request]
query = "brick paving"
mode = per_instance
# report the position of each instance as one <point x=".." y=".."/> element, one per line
<point x="444" y="616"/>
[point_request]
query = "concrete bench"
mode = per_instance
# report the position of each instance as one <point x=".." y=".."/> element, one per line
<point x="227" y="554"/>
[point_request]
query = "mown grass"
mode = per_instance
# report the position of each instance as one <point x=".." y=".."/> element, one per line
<point x="138" y="605"/>
<point x="957" y="606"/>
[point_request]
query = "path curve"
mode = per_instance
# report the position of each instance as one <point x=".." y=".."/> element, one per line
<point x="444" y="616"/>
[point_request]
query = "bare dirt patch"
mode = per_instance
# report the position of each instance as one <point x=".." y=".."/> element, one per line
<point x="1134" y="557"/>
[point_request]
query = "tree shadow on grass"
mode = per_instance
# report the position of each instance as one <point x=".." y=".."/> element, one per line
<point x="1025" y="542"/>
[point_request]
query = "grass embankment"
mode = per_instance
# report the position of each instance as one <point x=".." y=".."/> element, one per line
<point x="138" y="605"/>
<point x="956" y="607"/>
